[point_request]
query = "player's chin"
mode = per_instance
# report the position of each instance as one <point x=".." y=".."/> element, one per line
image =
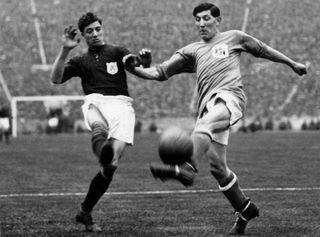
<point x="204" y="36"/>
<point x="96" y="43"/>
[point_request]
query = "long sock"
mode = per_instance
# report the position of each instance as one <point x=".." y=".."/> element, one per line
<point x="99" y="136"/>
<point x="97" y="188"/>
<point x="234" y="194"/>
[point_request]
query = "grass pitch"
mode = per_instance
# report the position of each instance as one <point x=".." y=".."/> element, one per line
<point x="44" y="179"/>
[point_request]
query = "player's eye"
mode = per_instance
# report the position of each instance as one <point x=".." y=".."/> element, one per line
<point x="198" y="19"/>
<point x="98" y="29"/>
<point x="89" y="31"/>
<point x="207" y="18"/>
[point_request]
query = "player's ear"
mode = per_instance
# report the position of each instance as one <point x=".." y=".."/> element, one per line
<point x="218" y="20"/>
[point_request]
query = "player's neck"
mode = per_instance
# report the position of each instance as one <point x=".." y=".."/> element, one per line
<point x="214" y="36"/>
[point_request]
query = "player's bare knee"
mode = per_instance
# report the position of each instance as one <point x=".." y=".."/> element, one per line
<point x="118" y="152"/>
<point x="114" y="160"/>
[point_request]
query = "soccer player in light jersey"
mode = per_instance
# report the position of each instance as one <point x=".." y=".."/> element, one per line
<point x="221" y="100"/>
<point x="108" y="110"/>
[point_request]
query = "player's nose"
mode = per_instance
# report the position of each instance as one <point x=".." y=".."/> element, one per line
<point x="201" y="23"/>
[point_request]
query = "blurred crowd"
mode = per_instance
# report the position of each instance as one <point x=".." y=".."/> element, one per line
<point x="165" y="26"/>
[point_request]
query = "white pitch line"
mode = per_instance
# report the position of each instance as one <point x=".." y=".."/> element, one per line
<point x="283" y="189"/>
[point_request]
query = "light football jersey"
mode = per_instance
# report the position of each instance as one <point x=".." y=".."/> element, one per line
<point x="217" y="66"/>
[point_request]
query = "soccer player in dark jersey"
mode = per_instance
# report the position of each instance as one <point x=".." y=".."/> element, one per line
<point x="221" y="101"/>
<point x="107" y="110"/>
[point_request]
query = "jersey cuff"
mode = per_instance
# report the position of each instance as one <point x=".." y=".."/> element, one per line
<point x="162" y="75"/>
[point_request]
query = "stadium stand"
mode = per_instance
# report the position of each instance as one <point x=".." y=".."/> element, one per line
<point x="165" y="26"/>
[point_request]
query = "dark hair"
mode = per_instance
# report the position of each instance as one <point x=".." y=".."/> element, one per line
<point x="215" y="11"/>
<point x="87" y="19"/>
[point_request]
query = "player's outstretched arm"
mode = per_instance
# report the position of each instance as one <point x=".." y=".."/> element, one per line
<point x="69" y="41"/>
<point x="150" y="73"/>
<point x="175" y="65"/>
<point x="261" y="50"/>
<point x="276" y="56"/>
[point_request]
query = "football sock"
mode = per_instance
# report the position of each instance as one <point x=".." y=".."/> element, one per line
<point x="234" y="194"/>
<point x="97" y="188"/>
<point x="99" y="136"/>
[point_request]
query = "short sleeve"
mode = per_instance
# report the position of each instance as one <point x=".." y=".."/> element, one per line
<point x="251" y="44"/>
<point x="71" y="69"/>
<point x="175" y="65"/>
<point x="123" y="51"/>
<point x="189" y="57"/>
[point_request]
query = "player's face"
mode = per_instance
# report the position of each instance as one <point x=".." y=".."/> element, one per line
<point x="207" y="24"/>
<point x="93" y="34"/>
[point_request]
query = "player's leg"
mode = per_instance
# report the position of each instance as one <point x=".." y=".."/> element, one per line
<point x="99" y="186"/>
<point x="119" y="148"/>
<point x="102" y="148"/>
<point x="228" y="108"/>
<point x="2" y="129"/>
<point x="214" y="121"/>
<point x="6" y="129"/>
<point x="202" y="137"/>
<point x="229" y="186"/>
<point x="7" y="137"/>
<point x="121" y="134"/>
<point x="102" y="180"/>
<point x="1" y="134"/>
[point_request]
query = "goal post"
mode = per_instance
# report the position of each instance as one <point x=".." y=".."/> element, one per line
<point x="44" y="66"/>
<point x="5" y="87"/>
<point x="49" y="98"/>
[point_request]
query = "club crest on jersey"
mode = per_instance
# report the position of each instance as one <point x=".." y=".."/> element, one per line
<point x="112" y="68"/>
<point x="220" y="51"/>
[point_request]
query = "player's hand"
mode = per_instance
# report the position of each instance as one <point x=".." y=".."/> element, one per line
<point x="130" y="61"/>
<point x="145" y="57"/>
<point x="300" y="68"/>
<point x="70" y="38"/>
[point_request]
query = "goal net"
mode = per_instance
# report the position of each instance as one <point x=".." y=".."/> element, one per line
<point x="46" y="114"/>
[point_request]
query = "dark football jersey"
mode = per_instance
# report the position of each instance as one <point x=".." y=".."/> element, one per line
<point x="101" y="70"/>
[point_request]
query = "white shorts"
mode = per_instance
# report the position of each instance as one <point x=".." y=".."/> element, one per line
<point x="4" y="124"/>
<point x="232" y="104"/>
<point x="117" y="111"/>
